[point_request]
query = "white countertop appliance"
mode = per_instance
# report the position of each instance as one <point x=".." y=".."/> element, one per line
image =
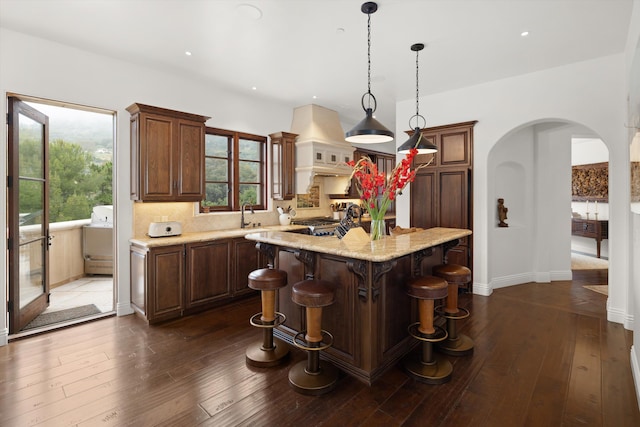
<point x="165" y="229"/>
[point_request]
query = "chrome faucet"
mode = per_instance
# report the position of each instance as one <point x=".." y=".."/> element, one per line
<point x="242" y="223"/>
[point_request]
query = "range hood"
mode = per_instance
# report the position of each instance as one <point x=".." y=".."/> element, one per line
<point x="321" y="150"/>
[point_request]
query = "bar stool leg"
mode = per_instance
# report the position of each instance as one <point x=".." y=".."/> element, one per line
<point x="310" y="376"/>
<point x="455" y="344"/>
<point x="427" y="366"/>
<point x="266" y="354"/>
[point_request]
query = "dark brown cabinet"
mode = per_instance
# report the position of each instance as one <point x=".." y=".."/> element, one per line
<point x="441" y="195"/>
<point x="208" y="275"/>
<point x="246" y="258"/>
<point x="283" y="173"/>
<point x="164" y="268"/>
<point x="167" y="155"/>
<point x="170" y="281"/>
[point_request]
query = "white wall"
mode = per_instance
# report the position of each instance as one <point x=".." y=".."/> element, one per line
<point x="589" y="94"/>
<point x="632" y="78"/>
<point x="37" y="67"/>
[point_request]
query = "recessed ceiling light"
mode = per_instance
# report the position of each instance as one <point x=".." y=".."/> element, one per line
<point x="248" y="12"/>
<point x="314" y="97"/>
<point x="187" y="52"/>
<point x="254" y="88"/>
<point x="524" y="33"/>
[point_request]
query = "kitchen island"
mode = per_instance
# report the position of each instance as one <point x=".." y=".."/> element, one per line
<point x="371" y="312"/>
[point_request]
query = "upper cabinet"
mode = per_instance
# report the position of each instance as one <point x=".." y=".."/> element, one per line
<point x="283" y="173"/>
<point x="167" y="155"/>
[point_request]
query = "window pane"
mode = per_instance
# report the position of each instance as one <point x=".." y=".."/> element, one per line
<point x="216" y="170"/>
<point x="30" y="148"/>
<point x="249" y="172"/>
<point x="218" y="194"/>
<point x="250" y="193"/>
<point x="216" y="145"/>
<point x="249" y="150"/>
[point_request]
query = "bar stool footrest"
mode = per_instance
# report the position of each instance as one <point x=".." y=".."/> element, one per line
<point x="258" y="323"/>
<point x="439" y="335"/>
<point x="462" y="313"/>
<point x="299" y="342"/>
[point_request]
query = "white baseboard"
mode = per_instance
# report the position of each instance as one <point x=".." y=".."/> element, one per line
<point x="515" y="279"/>
<point x="4" y="337"/>
<point x="124" y="309"/>
<point x="482" y="289"/>
<point x="561" y="275"/>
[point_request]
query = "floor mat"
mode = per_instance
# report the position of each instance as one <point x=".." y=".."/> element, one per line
<point x="585" y="262"/>
<point x="46" y="319"/>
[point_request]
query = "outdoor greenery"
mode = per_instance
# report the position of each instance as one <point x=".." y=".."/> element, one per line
<point x="77" y="181"/>
<point x="217" y="167"/>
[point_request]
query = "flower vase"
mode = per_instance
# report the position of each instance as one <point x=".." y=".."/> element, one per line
<point x="377" y="229"/>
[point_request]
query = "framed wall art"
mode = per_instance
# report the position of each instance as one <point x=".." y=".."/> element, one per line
<point x="590" y="182"/>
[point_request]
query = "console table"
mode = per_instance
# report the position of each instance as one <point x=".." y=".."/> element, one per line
<point x="596" y="229"/>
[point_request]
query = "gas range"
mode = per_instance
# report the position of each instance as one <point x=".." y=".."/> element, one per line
<point x="318" y="226"/>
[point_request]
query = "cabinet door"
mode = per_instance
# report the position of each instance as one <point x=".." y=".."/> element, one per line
<point x="246" y="259"/>
<point x="189" y="161"/>
<point x="165" y="283"/>
<point x="156" y="157"/>
<point x="424" y="199"/>
<point x="283" y="152"/>
<point x="208" y="266"/>
<point x="167" y="154"/>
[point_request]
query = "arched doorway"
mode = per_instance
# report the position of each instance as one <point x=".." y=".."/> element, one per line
<point x="530" y="168"/>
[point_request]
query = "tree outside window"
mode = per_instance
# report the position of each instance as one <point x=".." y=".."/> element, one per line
<point x="235" y="170"/>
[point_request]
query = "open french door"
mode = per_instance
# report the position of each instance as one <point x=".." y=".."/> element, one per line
<point x="28" y="213"/>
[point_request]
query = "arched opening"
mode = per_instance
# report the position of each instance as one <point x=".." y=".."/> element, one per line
<point x="531" y="169"/>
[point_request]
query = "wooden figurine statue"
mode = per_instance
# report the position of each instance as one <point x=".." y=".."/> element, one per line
<point x="502" y="213"/>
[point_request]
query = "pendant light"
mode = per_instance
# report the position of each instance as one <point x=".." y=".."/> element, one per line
<point x="369" y="130"/>
<point x="416" y="140"/>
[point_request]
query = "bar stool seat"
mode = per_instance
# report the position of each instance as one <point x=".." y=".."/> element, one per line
<point x="310" y="376"/>
<point x="456" y="275"/>
<point x="266" y="353"/>
<point x="426" y="366"/>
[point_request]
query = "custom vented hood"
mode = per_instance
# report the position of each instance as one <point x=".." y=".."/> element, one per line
<point x="321" y="150"/>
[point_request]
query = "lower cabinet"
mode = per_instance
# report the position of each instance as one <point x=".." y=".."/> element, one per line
<point x="208" y="275"/>
<point x="170" y="281"/>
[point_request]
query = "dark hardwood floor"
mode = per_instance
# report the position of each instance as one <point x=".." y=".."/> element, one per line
<point x="545" y="355"/>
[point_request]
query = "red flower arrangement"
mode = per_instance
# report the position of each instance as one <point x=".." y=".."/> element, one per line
<point x="370" y="184"/>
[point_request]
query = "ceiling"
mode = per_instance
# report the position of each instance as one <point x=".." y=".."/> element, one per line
<point x="293" y="50"/>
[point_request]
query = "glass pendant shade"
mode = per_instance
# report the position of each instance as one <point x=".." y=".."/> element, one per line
<point x="369" y="131"/>
<point x="416" y="141"/>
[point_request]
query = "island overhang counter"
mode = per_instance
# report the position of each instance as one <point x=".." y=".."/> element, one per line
<point x="371" y="312"/>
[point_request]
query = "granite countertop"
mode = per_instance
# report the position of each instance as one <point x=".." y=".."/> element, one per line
<point x="205" y="236"/>
<point x="386" y="249"/>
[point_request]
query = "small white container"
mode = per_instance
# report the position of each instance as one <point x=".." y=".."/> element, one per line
<point x="285" y="219"/>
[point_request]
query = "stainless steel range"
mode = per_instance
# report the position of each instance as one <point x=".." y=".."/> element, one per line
<point x="318" y="226"/>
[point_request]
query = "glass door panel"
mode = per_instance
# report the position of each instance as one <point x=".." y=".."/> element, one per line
<point x="28" y="207"/>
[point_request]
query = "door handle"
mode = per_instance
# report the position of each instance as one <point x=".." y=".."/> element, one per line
<point x="49" y="238"/>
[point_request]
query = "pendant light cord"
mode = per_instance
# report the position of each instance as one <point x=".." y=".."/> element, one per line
<point x="369" y="57"/>
<point x="417" y="88"/>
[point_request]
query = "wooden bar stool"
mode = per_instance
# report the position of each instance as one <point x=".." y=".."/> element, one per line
<point x="266" y="353"/>
<point x="455" y="275"/>
<point x="426" y="366"/>
<point x="311" y="377"/>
